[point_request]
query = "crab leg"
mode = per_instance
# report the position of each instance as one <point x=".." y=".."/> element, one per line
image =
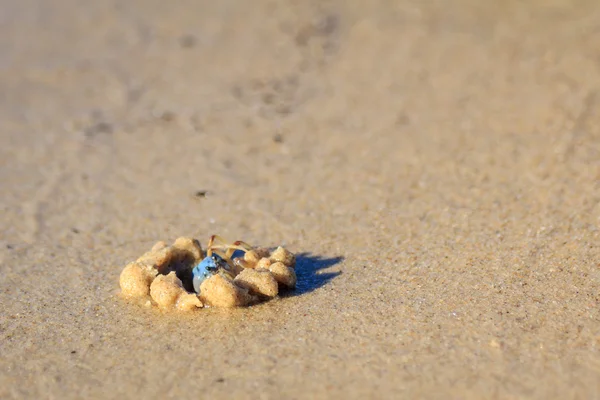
<point x="210" y="245"/>
<point x="230" y="248"/>
<point x="243" y="244"/>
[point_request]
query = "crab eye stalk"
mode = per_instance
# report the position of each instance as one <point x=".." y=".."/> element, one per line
<point x="219" y="262"/>
<point x="212" y="268"/>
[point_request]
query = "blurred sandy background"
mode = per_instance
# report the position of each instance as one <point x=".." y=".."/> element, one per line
<point x="438" y="162"/>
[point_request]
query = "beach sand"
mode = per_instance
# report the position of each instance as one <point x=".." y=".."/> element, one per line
<point x="436" y="166"/>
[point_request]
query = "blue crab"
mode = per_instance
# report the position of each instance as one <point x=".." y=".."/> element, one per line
<point x="218" y="260"/>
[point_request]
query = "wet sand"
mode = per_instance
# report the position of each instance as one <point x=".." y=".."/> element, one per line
<point x="436" y="166"/>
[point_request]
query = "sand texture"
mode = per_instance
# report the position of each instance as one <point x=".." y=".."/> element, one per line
<point x="435" y="166"/>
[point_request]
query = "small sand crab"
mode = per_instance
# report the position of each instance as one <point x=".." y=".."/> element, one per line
<point x="218" y="260"/>
<point x="173" y="275"/>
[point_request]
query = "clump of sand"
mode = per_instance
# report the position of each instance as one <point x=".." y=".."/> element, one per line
<point x="164" y="274"/>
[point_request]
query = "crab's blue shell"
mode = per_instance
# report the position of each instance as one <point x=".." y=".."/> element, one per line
<point x="203" y="270"/>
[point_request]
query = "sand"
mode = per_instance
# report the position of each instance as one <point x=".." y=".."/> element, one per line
<point x="435" y="164"/>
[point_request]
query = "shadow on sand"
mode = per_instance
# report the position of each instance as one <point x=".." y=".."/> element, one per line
<point x="307" y="270"/>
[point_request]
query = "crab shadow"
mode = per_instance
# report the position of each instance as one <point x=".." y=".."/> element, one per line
<point x="307" y="272"/>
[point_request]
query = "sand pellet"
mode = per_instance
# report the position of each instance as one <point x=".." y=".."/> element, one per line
<point x="188" y="301"/>
<point x="165" y="290"/>
<point x="259" y="282"/>
<point x="283" y="274"/>
<point x="263" y="263"/>
<point x="251" y="257"/>
<point x="283" y="256"/>
<point x="158" y="259"/>
<point x="220" y="291"/>
<point x="189" y="246"/>
<point x="135" y="280"/>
